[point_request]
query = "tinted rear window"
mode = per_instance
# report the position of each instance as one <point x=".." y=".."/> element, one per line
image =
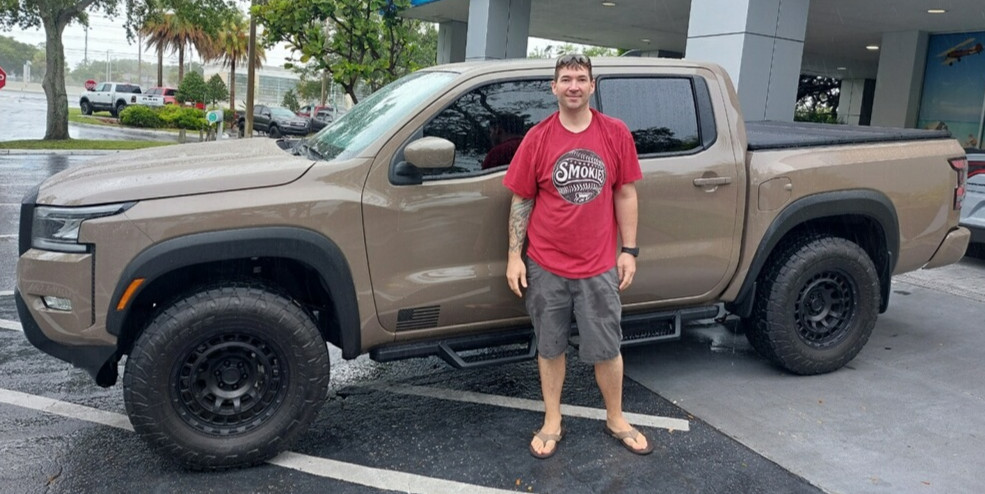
<point x="659" y="111"/>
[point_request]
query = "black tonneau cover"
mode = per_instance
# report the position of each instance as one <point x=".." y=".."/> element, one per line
<point x="768" y="134"/>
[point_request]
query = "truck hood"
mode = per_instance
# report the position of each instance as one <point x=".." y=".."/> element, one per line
<point x="178" y="170"/>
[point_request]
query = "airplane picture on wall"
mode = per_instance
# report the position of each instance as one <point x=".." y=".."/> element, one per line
<point x="963" y="49"/>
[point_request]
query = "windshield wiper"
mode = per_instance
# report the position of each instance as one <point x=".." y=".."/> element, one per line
<point x="302" y="147"/>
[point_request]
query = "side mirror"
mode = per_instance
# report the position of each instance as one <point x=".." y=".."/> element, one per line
<point x="430" y="152"/>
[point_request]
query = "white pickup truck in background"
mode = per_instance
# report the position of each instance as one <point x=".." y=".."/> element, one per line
<point x="109" y="96"/>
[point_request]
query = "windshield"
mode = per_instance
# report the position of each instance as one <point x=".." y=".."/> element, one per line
<point x="368" y="120"/>
<point x="281" y="112"/>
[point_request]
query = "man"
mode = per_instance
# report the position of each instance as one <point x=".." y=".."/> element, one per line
<point x="572" y="182"/>
<point x="505" y="134"/>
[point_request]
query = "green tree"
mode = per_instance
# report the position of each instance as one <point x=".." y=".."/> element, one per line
<point x="192" y="89"/>
<point x="217" y="90"/>
<point x="355" y="41"/>
<point x="290" y="101"/>
<point x="231" y="47"/>
<point x="181" y="24"/>
<point x="13" y="54"/>
<point x="552" y="50"/>
<point x="817" y="99"/>
<point x="54" y="15"/>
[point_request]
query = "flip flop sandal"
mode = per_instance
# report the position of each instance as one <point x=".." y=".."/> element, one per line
<point x="544" y="437"/>
<point x="630" y="434"/>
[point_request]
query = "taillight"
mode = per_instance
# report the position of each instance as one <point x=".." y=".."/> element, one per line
<point x="959" y="165"/>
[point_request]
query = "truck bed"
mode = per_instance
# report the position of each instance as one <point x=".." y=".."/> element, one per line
<point x="768" y="134"/>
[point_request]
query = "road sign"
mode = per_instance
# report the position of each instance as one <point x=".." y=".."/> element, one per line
<point x="214" y="116"/>
<point x="3" y="78"/>
<point x="90" y="85"/>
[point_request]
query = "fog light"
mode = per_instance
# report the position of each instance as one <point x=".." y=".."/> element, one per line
<point x="57" y="303"/>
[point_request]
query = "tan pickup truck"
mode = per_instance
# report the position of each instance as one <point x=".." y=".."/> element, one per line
<point x="221" y="269"/>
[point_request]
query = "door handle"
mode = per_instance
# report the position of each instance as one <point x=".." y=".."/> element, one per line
<point x="712" y="181"/>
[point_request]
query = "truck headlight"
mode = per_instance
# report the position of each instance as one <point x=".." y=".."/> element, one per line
<point x="57" y="228"/>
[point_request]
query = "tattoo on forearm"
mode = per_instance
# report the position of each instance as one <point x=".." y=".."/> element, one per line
<point x="519" y="218"/>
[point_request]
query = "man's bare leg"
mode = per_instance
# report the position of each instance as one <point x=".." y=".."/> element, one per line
<point x="551" y="381"/>
<point x="608" y="375"/>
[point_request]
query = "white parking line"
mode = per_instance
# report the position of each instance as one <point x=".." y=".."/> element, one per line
<point x="532" y="405"/>
<point x="322" y="467"/>
<point x="11" y="325"/>
<point x="6" y="293"/>
<point x="8" y="236"/>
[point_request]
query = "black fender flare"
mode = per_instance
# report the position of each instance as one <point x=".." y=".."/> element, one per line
<point x="306" y="246"/>
<point x="861" y="202"/>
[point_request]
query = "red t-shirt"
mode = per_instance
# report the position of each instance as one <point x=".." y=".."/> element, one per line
<point x="572" y="179"/>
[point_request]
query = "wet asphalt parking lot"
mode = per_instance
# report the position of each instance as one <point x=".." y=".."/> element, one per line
<point x="904" y="416"/>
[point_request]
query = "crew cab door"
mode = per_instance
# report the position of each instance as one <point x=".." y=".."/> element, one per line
<point x="261" y="118"/>
<point x="437" y="249"/>
<point x="692" y="196"/>
<point x="103" y="95"/>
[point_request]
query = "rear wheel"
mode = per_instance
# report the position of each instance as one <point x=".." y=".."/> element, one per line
<point x="226" y="377"/>
<point x="815" y="306"/>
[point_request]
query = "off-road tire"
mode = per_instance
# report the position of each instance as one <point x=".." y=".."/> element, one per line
<point x="815" y="306"/>
<point x="86" y="108"/>
<point x="226" y="377"/>
<point x="274" y="132"/>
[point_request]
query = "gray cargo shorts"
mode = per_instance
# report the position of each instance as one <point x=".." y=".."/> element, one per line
<point x="551" y="300"/>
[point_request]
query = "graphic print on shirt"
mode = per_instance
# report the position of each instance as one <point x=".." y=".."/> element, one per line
<point x="579" y="176"/>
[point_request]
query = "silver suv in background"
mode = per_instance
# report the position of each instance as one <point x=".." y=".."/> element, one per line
<point x="973" y="208"/>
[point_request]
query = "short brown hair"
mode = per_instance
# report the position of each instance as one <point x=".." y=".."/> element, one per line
<point x="573" y="61"/>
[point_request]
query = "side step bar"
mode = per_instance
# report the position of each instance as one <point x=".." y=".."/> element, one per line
<point x="483" y="350"/>
<point x="467" y="352"/>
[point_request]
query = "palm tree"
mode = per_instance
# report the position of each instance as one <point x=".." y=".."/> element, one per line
<point x="156" y="30"/>
<point x="177" y="29"/>
<point x="231" y="45"/>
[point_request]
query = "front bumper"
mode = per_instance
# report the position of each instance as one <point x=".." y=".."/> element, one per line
<point x="97" y="360"/>
<point x="951" y="250"/>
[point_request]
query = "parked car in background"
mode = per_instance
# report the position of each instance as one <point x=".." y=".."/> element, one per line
<point x="275" y="121"/>
<point x="109" y="96"/>
<point x="322" y="119"/>
<point x="973" y="208"/>
<point x="158" y="96"/>
<point x="309" y="111"/>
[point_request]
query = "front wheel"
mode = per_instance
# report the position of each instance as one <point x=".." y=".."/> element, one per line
<point x="226" y="377"/>
<point x="815" y="306"/>
<point x="274" y="132"/>
<point x="86" y="108"/>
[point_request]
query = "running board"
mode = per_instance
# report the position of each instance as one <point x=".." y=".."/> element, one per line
<point x="484" y="350"/>
<point x="467" y="352"/>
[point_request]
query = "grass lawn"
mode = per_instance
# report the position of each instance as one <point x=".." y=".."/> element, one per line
<point x="76" y="144"/>
<point x="75" y="115"/>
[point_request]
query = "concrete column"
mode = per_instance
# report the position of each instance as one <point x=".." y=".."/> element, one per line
<point x="899" y="81"/>
<point x="855" y="101"/>
<point x="760" y="43"/>
<point x="452" y="36"/>
<point x="498" y="29"/>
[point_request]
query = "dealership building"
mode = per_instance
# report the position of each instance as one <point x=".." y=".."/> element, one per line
<point x="902" y="63"/>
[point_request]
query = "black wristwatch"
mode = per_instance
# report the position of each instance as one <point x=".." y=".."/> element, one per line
<point x="633" y="251"/>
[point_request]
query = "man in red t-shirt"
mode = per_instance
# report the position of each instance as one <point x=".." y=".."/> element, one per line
<point x="573" y="193"/>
